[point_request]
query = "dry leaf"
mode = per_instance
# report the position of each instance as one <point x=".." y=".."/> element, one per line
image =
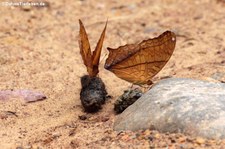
<point x="27" y="95"/>
<point x="138" y="63"/>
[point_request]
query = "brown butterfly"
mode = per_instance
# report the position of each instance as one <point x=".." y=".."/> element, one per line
<point x="138" y="63"/>
<point x="93" y="92"/>
<point x="91" y="60"/>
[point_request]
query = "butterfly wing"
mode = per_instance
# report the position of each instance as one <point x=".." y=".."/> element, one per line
<point x="139" y="63"/>
<point x="85" y="49"/>
<point x="97" y="52"/>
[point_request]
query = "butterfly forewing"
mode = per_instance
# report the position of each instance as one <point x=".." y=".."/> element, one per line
<point x="85" y="49"/>
<point x="143" y="61"/>
<point x="97" y="52"/>
<point x="90" y="60"/>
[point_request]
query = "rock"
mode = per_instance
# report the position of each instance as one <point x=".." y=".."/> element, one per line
<point x="93" y="93"/>
<point x="26" y="94"/>
<point x="175" y="105"/>
<point x="127" y="99"/>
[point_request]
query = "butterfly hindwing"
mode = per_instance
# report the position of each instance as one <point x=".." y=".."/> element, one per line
<point x="97" y="52"/>
<point x="139" y="63"/>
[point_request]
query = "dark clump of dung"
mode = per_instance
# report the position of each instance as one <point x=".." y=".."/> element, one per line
<point x="93" y="93"/>
<point x="127" y="99"/>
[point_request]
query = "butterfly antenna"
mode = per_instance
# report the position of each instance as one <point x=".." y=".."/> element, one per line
<point x="104" y="57"/>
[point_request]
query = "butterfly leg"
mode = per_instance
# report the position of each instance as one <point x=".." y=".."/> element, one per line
<point x="147" y="86"/>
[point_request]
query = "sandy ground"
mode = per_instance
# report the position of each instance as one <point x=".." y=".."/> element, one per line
<point x="39" y="50"/>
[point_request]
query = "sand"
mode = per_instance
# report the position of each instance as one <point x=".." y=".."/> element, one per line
<point x="39" y="51"/>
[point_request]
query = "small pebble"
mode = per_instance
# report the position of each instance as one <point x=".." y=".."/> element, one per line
<point x="200" y="140"/>
<point x="182" y="139"/>
<point x="82" y="117"/>
<point x="157" y="136"/>
<point x="56" y="134"/>
<point x="28" y="147"/>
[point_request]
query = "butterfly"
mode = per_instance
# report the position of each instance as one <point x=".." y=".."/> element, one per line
<point x="138" y="63"/>
<point x="91" y="60"/>
<point x="93" y="92"/>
